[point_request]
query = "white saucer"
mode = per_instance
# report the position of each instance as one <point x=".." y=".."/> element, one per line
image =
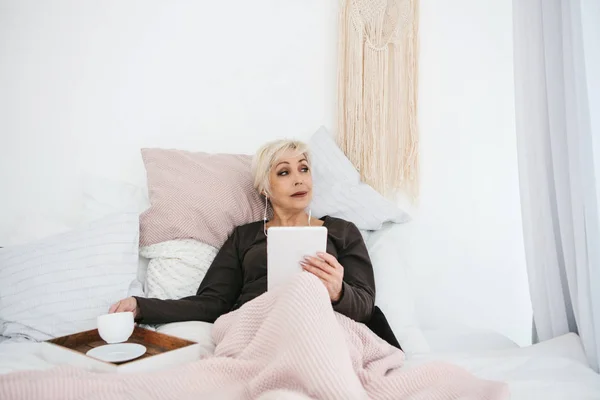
<point x="117" y="352"/>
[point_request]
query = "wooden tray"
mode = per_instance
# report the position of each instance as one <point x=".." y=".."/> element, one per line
<point x="156" y="343"/>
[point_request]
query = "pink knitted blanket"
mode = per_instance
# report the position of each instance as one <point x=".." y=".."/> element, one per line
<point x="286" y="344"/>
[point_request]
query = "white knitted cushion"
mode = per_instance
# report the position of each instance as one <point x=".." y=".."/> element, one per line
<point x="176" y="267"/>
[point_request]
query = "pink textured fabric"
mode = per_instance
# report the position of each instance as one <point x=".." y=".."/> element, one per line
<point x="197" y="196"/>
<point x="284" y="344"/>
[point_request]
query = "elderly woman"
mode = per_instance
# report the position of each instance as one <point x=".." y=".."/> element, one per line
<point x="238" y="273"/>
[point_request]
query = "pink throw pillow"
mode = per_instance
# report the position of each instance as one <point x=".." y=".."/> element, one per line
<point x="197" y="196"/>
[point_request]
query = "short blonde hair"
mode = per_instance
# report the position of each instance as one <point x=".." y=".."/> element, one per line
<point x="266" y="156"/>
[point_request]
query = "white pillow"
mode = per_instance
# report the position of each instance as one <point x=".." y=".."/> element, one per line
<point x="393" y="283"/>
<point x="104" y="196"/>
<point x="59" y="285"/>
<point x="176" y="267"/>
<point x="339" y="192"/>
<point x="33" y="227"/>
<point x="463" y="340"/>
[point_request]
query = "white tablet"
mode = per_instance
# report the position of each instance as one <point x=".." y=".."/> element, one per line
<point x="287" y="246"/>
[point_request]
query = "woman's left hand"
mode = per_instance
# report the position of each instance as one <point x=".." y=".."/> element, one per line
<point x="327" y="268"/>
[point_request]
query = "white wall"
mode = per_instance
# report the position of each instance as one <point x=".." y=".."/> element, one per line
<point x="468" y="232"/>
<point x="85" y="84"/>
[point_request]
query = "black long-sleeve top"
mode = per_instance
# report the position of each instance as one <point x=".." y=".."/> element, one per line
<point x="238" y="274"/>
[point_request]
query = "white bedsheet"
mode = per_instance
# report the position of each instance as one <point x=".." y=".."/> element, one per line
<point x="548" y="378"/>
<point x="21" y="357"/>
<point x="552" y="370"/>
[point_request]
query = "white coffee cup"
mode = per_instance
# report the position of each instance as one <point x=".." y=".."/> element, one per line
<point x="116" y="327"/>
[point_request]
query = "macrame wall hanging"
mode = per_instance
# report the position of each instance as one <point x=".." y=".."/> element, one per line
<point x="377" y="92"/>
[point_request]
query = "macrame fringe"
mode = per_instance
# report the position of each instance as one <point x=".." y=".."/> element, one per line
<point x="377" y="92"/>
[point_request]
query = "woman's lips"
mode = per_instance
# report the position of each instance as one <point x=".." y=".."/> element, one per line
<point x="299" y="194"/>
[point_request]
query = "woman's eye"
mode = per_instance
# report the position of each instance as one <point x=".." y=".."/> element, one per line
<point x="304" y="169"/>
<point x="282" y="173"/>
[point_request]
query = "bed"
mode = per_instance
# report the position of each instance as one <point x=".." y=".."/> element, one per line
<point x="556" y="369"/>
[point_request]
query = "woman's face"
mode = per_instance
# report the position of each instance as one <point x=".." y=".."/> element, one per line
<point x="291" y="182"/>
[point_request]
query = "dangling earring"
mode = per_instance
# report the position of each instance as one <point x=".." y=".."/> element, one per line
<point x="265" y="215"/>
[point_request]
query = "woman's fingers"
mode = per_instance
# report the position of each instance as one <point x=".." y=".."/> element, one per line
<point x="124" y="305"/>
<point x="318" y="263"/>
<point x="319" y="273"/>
<point x="329" y="259"/>
<point x="327" y="268"/>
<point x="114" y="307"/>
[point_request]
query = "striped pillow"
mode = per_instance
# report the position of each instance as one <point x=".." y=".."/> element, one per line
<point x="59" y="285"/>
<point x="197" y="196"/>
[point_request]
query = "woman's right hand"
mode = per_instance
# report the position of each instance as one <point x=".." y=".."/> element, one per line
<point x="128" y="304"/>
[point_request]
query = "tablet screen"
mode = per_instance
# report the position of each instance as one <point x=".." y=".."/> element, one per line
<point x="287" y="246"/>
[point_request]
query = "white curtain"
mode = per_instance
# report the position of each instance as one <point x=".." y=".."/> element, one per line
<point x="558" y="178"/>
